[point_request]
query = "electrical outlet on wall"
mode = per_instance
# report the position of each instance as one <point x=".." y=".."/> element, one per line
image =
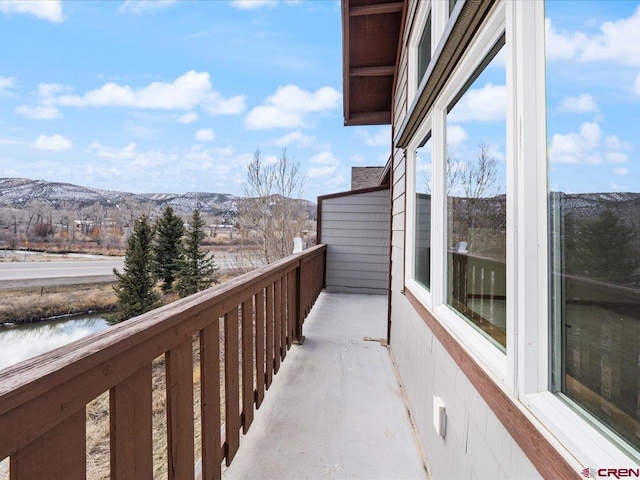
<point x="439" y="416"/>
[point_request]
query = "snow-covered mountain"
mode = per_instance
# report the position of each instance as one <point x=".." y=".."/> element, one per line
<point x="19" y="192"/>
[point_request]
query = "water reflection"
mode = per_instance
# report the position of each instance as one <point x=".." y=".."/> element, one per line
<point x="21" y="342"/>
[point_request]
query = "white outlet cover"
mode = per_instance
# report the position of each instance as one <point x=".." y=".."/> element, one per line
<point x="439" y="416"/>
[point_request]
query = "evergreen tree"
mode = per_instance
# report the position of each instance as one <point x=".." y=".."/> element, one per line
<point x="607" y="248"/>
<point x="198" y="269"/>
<point x="135" y="285"/>
<point x="169" y="230"/>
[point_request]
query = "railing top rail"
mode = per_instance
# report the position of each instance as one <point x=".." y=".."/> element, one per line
<point x="26" y="380"/>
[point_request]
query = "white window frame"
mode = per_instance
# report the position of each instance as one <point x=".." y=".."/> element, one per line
<point x="487" y="354"/>
<point x="578" y="439"/>
<point x="524" y="372"/>
<point x="422" y="294"/>
<point x="422" y="13"/>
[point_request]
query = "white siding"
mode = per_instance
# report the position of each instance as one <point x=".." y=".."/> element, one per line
<point x="356" y="228"/>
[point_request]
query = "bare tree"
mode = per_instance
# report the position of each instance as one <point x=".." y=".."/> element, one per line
<point x="270" y="212"/>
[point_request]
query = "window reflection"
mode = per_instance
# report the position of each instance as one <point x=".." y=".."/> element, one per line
<point x="424" y="49"/>
<point x="476" y="200"/>
<point x="595" y="210"/>
<point x="423" y="214"/>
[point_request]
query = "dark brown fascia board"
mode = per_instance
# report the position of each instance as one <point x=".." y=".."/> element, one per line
<point x="382" y="8"/>
<point x="379" y="71"/>
<point x="367" y="118"/>
<point x="345" y="61"/>
<point x="467" y="16"/>
<point x="352" y="192"/>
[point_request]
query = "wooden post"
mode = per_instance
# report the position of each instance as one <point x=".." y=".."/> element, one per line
<point x="210" y="400"/>
<point x="180" y="428"/>
<point x="131" y="430"/>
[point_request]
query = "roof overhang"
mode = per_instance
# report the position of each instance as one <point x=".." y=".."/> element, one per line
<point x="370" y="37"/>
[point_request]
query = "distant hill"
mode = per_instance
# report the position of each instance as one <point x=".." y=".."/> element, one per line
<point x="586" y="205"/>
<point x="20" y="192"/>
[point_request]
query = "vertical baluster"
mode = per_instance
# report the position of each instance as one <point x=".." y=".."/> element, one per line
<point x="277" y="296"/>
<point x="131" y="430"/>
<point x="210" y="400"/>
<point x="247" y="364"/>
<point x="59" y="454"/>
<point x="180" y="428"/>
<point x="232" y="384"/>
<point x="260" y="361"/>
<point x="271" y="337"/>
<point x="291" y="307"/>
<point x="285" y="317"/>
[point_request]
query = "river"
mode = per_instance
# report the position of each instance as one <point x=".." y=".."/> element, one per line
<point x="20" y="342"/>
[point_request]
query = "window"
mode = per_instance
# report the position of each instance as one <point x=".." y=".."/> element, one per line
<point x="476" y="199"/>
<point x="452" y="5"/>
<point x="422" y="226"/>
<point x="424" y="49"/>
<point x="594" y="212"/>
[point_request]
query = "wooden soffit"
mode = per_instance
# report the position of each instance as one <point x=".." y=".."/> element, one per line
<point x="370" y="36"/>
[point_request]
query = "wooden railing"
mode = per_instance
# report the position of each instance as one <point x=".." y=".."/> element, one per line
<point x="483" y="280"/>
<point x="260" y="314"/>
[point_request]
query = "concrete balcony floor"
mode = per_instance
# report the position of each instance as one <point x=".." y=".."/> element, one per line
<point x="335" y="408"/>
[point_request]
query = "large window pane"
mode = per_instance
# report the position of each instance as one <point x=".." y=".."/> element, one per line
<point x="476" y="200"/>
<point x="422" y="250"/>
<point x="593" y="113"/>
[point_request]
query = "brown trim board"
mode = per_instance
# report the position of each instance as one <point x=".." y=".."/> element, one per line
<point x="549" y="463"/>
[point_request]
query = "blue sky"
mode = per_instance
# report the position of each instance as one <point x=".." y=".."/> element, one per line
<point x="175" y="96"/>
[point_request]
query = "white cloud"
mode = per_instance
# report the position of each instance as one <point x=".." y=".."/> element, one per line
<point x="621" y="171"/>
<point x="382" y="138"/>
<point x="456" y="135"/>
<point x="613" y="142"/>
<point x="581" y="104"/>
<point x="142" y="6"/>
<point x="577" y="147"/>
<point x="251" y="4"/>
<point x="187" y="92"/>
<point x="6" y="83"/>
<point x="587" y="147"/>
<point x="287" y="108"/>
<point x="50" y="10"/>
<point x="189" y="117"/>
<point x="562" y="45"/>
<point x="52" y="143"/>
<point x="485" y="104"/>
<point x="293" y="138"/>
<point x="135" y="158"/>
<point x="324" y="164"/>
<point x="616" y="157"/>
<point x="46" y="110"/>
<point x="615" y="187"/>
<point x="616" y="41"/>
<point x="636" y="85"/>
<point x="205" y="135"/>
<point x="39" y="112"/>
<point x="358" y="159"/>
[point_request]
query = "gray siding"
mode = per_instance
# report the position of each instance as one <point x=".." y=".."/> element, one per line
<point x="355" y="228"/>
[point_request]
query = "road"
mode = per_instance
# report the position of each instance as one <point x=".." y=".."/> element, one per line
<point x="26" y="274"/>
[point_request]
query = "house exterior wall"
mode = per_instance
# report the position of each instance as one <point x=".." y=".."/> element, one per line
<point x="355" y="228"/>
<point x="476" y="444"/>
